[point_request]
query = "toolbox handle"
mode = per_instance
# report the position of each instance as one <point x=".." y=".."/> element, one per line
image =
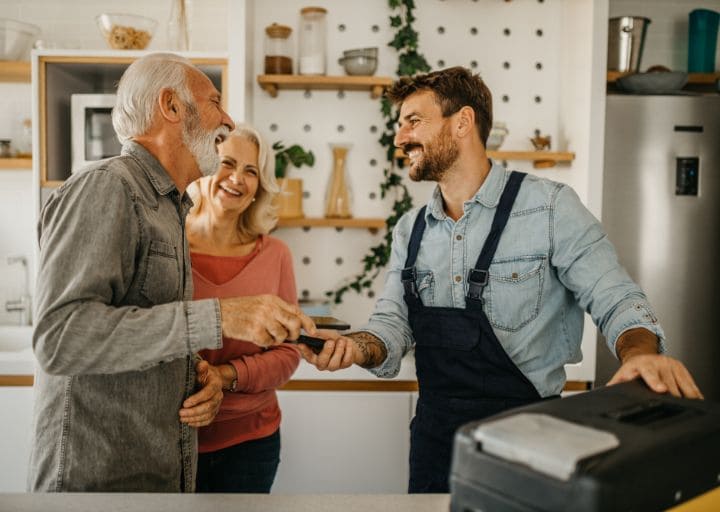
<point x="648" y="413"/>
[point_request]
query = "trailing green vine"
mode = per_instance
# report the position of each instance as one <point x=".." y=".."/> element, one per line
<point x="410" y="62"/>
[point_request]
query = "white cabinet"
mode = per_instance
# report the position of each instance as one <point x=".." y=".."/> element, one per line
<point x="344" y="442"/>
<point x="17" y="405"/>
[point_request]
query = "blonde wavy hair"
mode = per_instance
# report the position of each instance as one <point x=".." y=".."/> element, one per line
<point x="261" y="216"/>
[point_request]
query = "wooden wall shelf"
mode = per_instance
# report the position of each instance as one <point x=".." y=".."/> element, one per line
<point x="375" y="84"/>
<point x="540" y="159"/>
<point x="310" y="222"/>
<point x="16" y="163"/>
<point x="693" y="78"/>
<point x="14" y="71"/>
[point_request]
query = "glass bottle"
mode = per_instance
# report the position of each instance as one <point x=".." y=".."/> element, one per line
<point x="178" y="27"/>
<point x="23" y="142"/>
<point x="337" y="197"/>
<point x="312" y="43"/>
<point x="278" y="55"/>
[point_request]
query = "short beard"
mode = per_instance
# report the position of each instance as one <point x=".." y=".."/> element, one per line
<point x="437" y="158"/>
<point x="201" y="143"/>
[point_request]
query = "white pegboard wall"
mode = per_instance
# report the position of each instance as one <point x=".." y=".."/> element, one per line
<point x="515" y="46"/>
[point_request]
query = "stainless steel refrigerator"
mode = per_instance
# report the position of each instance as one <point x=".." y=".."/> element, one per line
<point x="661" y="209"/>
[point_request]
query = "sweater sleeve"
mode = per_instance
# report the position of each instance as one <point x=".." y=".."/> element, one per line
<point x="273" y="367"/>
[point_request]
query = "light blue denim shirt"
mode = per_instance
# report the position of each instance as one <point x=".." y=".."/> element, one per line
<point x="554" y="260"/>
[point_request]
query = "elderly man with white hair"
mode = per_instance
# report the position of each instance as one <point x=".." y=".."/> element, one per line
<point x="119" y="389"/>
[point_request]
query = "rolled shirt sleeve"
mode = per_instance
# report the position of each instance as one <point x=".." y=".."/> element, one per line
<point x="389" y="320"/>
<point x="587" y="264"/>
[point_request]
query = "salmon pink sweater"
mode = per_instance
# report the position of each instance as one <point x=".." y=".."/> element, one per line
<point x="252" y="412"/>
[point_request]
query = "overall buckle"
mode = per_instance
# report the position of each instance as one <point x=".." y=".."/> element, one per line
<point x="408" y="277"/>
<point x="477" y="280"/>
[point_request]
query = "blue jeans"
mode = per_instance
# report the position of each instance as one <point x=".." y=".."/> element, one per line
<point x="246" y="467"/>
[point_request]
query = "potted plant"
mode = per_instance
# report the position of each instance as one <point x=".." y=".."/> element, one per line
<point x="289" y="200"/>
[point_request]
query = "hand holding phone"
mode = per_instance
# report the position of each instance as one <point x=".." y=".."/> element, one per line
<point x="315" y="344"/>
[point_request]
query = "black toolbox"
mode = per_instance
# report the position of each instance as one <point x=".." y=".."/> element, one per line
<point x="668" y="451"/>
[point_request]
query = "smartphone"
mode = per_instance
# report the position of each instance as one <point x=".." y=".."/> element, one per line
<point x="315" y="344"/>
<point x="329" y="322"/>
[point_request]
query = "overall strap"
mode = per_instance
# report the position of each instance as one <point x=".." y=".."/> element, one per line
<point x="409" y="273"/>
<point x="478" y="276"/>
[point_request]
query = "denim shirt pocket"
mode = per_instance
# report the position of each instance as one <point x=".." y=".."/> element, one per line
<point x="426" y="286"/>
<point x="512" y="299"/>
<point x="161" y="282"/>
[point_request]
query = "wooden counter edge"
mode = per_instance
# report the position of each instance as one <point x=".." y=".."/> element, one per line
<point x="315" y="385"/>
<point x="16" y="380"/>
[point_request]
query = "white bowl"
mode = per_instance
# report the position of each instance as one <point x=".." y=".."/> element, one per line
<point x="359" y="65"/>
<point x="497" y="136"/>
<point x="126" y="31"/>
<point x="16" y="39"/>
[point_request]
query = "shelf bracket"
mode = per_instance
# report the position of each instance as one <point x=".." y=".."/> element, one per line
<point x="271" y="89"/>
<point x="376" y="91"/>
<point x="543" y="164"/>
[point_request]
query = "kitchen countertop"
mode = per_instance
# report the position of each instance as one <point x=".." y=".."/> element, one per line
<point x="306" y="371"/>
<point x="127" y="502"/>
<point x="123" y="502"/>
<point x="20" y="361"/>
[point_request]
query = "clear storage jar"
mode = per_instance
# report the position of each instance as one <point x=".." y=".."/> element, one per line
<point x="312" y="43"/>
<point x="278" y="51"/>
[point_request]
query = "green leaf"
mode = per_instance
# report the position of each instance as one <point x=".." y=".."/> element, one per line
<point x="294" y="154"/>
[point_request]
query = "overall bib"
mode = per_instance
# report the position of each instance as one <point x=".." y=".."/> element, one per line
<point x="463" y="372"/>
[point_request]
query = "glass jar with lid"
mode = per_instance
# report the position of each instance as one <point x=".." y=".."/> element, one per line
<point x="312" y="43"/>
<point x="278" y="52"/>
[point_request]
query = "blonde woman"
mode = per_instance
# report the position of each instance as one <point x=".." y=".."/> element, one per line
<point x="233" y="255"/>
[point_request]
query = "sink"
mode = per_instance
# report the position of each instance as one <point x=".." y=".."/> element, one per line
<point x="16" y="355"/>
<point x="15" y="338"/>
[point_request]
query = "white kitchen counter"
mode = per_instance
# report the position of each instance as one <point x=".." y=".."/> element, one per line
<point x="306" y="371"/>
<point x="124" y="502"/>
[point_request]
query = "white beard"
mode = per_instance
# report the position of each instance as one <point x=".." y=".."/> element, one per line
<point x="201" y="143"/>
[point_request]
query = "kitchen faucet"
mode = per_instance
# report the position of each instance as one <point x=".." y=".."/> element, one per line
<point x="23" y="304"/>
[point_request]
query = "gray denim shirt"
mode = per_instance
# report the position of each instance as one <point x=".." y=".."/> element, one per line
<point x="116" y="331"/>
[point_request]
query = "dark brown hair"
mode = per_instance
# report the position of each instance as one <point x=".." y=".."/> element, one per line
<point x="454" y="88"/>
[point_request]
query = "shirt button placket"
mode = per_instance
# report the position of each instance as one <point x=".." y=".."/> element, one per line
<point x="458" y="290"/>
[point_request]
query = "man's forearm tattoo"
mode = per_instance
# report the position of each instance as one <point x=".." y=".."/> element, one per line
<point x="372" y="349"/>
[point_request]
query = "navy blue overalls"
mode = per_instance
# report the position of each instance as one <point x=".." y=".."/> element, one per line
<point x="463" y="372"/>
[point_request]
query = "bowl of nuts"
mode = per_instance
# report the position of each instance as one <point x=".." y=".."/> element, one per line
<point x="126" y="31"/>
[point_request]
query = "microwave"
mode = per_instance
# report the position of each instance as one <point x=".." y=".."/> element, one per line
<point x="93" y="135"/>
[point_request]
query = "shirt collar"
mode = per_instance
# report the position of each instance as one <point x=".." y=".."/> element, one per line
<point x="492" y="188"/>
<point x="487" y="195"/>
<point x="155" y="172"/>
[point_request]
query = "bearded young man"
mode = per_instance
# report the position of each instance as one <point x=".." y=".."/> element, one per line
<point x="115" y="393"/>
<point x="488" y="282"/>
